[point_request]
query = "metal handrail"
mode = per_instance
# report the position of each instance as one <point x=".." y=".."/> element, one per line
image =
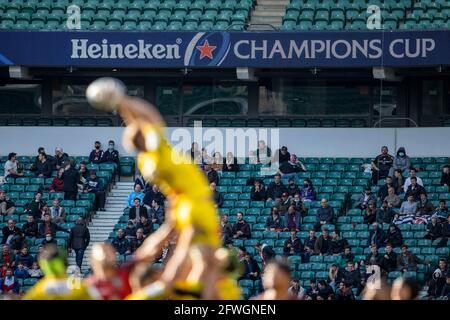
<point x="396" y="118"/>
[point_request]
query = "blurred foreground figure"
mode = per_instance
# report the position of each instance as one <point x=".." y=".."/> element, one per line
<point x="405" y="289"/>
<point x="276" y="281"/>
<point x="56" y="285"/>
<point x="191" y="215"/>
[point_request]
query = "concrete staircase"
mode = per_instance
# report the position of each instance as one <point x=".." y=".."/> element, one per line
<point x="103" y="221"/>
<point x="266" y="13"/>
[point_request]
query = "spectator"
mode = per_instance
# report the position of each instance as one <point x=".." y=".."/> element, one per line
<point x="227" y="229"/>
<point x="394" y="236"/>
<point x="21" y="271"/>
<point x="30" y="228"/>
<point x="121" y="243"/>
<point x="309" y="246"/>
<point x="425" y="207"/>
<point x="385" y="214"/>
<point x="292" y="245"/>
<point x="193" y="153"/>
<point x="60" y="158"/>
<point x="79" y="239"/>
<point x="324" y="214"/>
<point x="370" y="214"/>
<point x="283" y="203"/>
<point x="338" y="244"/>
<point x="325" y="291"/>
<point x="274" y="222"/>
<point x="258" y="192"/>
<point x="373" y="258"/>
<point x="307" y="192"/>
<point x="323" y="244"/>
<point x="48" y="239"/>
<point x="383" y="191"/>
<point x="345" y="293"/>
<point x="7" y="206"/>
<point x="211" y="174"/>
<point x="389" y="259"/>
<point x="401" y="161"/>
<point x="445" y="177"/>
<point x="241" y="229"/>
<point x="392" y="199"/>
<point x="296" y="290"/>
<point x="263" y="153"/>
<point x="9" y="231"/>
<point x="11" y="166"/>
<point x="398" y="181"/>
<point x="412" y="175"/>
<point x="138" y="239"/>
<point x="445" y="293"/>
<point x="25" y="258"/>
<point x="57" y="212"/>
<point x="376" y="235"/>
<point x="293" y="219"/>
<point x="43" y="167"/>
<point x="283" y="155"/>
<point x="71" y="178"/>
<point x="17" y="241"/>
<point x="312" y="292"/>
<point x="111" y="155"/>
<point x="153" y="193"/>
<point x="407" y="211"/>
<point x="146" y="225"/>
<point x="7" y="257"/>
<point x="130" y="231"/>
<point x="441" y="213"/>
<point x="140" y="180"/>
<point x="36" y="206"/>
<point x="252" y="270"/>
<point x="157" y="213"/>
<point x="137" y="193"/>
<point x="298" y="204"/>
<point x="438" y="279"/>
<point x="347" y="256"/>
<point x="445" y="233"/>
<point x="83" y="172"/>
<point x="407" y="261"/>
<point x="9" y="284"/>
<point x="217" y="161"/>
<point x="58" y="182"/>
<point x="217" y="196"/>
<point x="351" y="276"/>
<point x="292" y="187"/>
<point x="435" y="230"/>
<point x="366" y="197"/>
<point x="96" y="154"/>
<point x="415" y="190"/>
<point x="381" y="165"/>
<point x="35" y="271"/>
<point x="137" y="211"/>
<point x="204" y="158"/>
<point x="230" y="163"/>
<point x="95" y="185"/>
<point x="276" y="188"/>
<point x="36" y="159"/>
<point x="291" y="168"/>
<point x="334" y="275"/>
<point x="49" y="227"/>
<point x="266" y="252"/>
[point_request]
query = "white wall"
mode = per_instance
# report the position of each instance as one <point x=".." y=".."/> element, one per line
<point x="313" y="142"/>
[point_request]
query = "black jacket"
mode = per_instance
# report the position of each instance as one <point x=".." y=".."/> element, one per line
<point x="445" y="179"/>
<point x="71" y="178"/>
<point x="8" y="232"/>
<point x="258" y="196"/>
<point x="232" y="167"/>
<point x="79" y="237"/>
<point x="30" y="229"/>
<point x="44" y="168"/>
<point x="96" y="156"/>
<point x="436" y="230"/>
<point x="383" y="191"/>
<point x="338" y="245"/>
<point x="395" y="238"/>
<point x="250" y="267"/>
<point x="296" y="244"/>
<point x="385" y="216"/>
<point x="218" y="198"/>
<point x="111" y="156"/>
<point x="142" y="212"/>
<point x="59" y="161"/>
<point x="415" y="192"/>
<point x="244" y="227"/>
<point x="389" y="261"/>
<point x="274" y="222"/>
<point x="378" y="238"/>
<point x="150" y="195"/>
<point x="275" y="190"/>
<point x="212" y="176"/>
<point x="374" y="259"/>
<point x="352" y="278"/>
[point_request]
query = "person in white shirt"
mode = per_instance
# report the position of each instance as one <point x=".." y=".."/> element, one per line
<point x="412" y="173"/>
<point x="11" y="166"/>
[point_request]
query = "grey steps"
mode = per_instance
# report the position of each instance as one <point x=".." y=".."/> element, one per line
<point x="272" y="2"/>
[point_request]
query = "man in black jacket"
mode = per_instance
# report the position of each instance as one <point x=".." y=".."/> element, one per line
<point x="276" y="188"/>
<point x="351" y="276"/>
<point x="227" y="230"/>
<point x="30" y="228"/>
<point x="252" y="270"/>
<point x="43" y="166"/>
<point x="324" y="215"/>
<point x="415" y="190"/>
<point x="71" y="178"/>
<point x="383" y="191"/>
<point x="79" y="240"/>
<point x="96" y="155"/>
<point x="137" y="211"/>
<point x="10" y="230"/>
<point x="435" y="230"/>
<point x="389" y="259"/>
<point x="385" y="214"/>
<point x="153" y="194"/>
<point x="241" y="229"/>
<point x="258" y="192"/>
<point x="60" y="158"/>
<point x="293" y="245"/>
<point x="338" y="244"/>
<point x="94" y="185"/>
<point x="211" y="174"/>
<point x="49" y="227"/>
<point x="111" y="155"/>
<point x="217" y="196"/>
<point x="373" y="258"/>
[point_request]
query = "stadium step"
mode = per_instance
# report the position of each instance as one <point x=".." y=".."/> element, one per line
<point x="266" y="13"/>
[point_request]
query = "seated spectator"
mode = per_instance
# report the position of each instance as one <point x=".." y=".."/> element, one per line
<point x="137" y="193"/>
<point x="146" y="225"/>
<point x="276" y="188"/>
<point x="152" y="194"/>
<point x="227" y="229"/>
<point x="263" y="153"/>
<point x="324" y="214"/>
<point x="9" y="231"/>
<point x="373" y="258"/>
<point x="25" y="258"/>
<point x="9" y="284"/>
<point x="217" y="161"/>
<point x="401" y="161"/>
<point x="7" y="257"/>
<point x="57" y="212"/>
<point x="17" y="241"/>
<point x="157" y="213"/>
<point x="194" y="153"/>
<point x="35" y="206"/>
<point x="412" y="174"/>
<point x="95" y="185"/>
<point x="440" y="281"/>
<point x="252" y="270"/>
<point x="392" y="199"/>
<point x="11" y="166"/>
<point x="441" y="213"/>
<point x="7" y="206"/>
<point x="96" y="154"/>
<point x="338" y="244"/>
<point x="293" y="219"/>
<point x="415" y="190"/>
<point x="383" y="191"/>
<point x="334" y="275"/>
<point x="60" y="158"/>
<point x="312" y="292"/>
<point x="307" y="191"/>
<point x="283" y="203"/>
<point x="83" y="173"/>
<point x="394" y="236"/>
<point x="325" y="291"/>
<point x="376" y="235"/>
<point x="44" y="210"/>
<point x="138" y="240"/>
<point x="296" y="290"/>
<point x="370" y="214"/>
<point x="293" y="245"/>
<point x="389" y="259"/>
<point x="366" y="197"/>
<point x="398" y="181"/>
<point x="111" y="155"/>
<point x="407" y="211"/>
<point x="49" y="239"/>
<point x="30" y="228"/>
<point x="445" y="233"/>
<point x="137" y="211"/>
<point x="21" y="271"/>
<point x="43" y="167"/>
<point x="35" y="271"/>
<point x="130" y="231"/>
<point x="385" y="214"/>
<point x="298" y="204"/>
<point x="323" y="244"/>
<point x="266" y="253"/>
<point x="241" y="229"/>
<point x="258" y="192"/>
<point x="283" y="155"/>
<point x="344" y="292"/>
<point x="58" y="182"/>
<point x="142" y="182"/>
<point x="381" y="165"/>
<point x="309" y="245"/>
<point x="425" y="207"/>
<point x="211" y="174"/>
<point x="217" y="196"/>
<point x="292" y="187"/>
<point x="291" y="168"/>
<point x="49" y="227"/>
<point x="435" y="230"/>
<point x="445" y="177"/>
<point x="407" y="261"/>
<point x="352" y="276"/>
<point x="346" y="256"/>
<point x="274" y="222"/>
<point x="71" y="179"/>
<point x="121" y="243"/>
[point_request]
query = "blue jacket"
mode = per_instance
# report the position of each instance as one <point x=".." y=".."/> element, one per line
<point x="378" y="239"/>
<point x="94" y="184"/>
<point x="27" y="260"/>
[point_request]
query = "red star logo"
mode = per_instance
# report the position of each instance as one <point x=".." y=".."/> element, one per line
<point x="206" y="50"/>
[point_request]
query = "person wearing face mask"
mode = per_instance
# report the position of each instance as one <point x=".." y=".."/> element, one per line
<point x="292" y="187"/>
<point x="96" y="155"/>
<point x="307" y="192"/>
<point x="48" y="240"/>
<point x="298" y="204"/>
<point x="111" y="155"/>
<point x="401" y="161"/>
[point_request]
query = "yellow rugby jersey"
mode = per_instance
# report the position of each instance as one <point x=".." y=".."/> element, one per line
<point x="50" y="288"/>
